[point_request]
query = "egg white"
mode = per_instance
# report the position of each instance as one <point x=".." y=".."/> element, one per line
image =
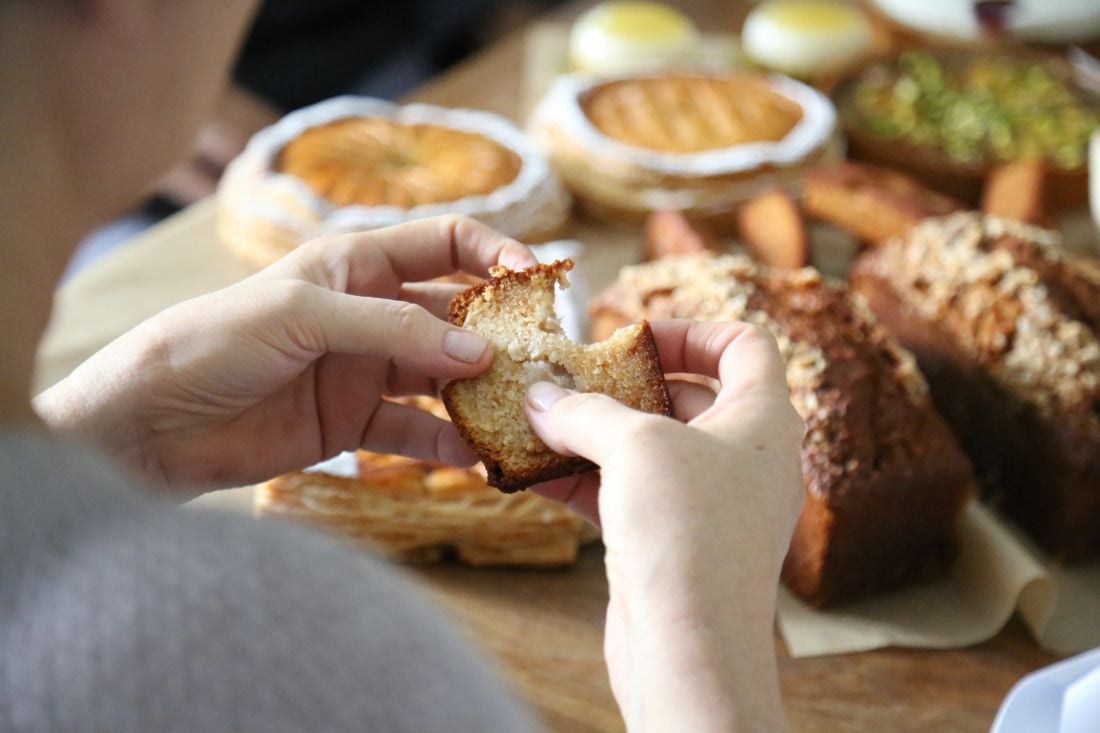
<point x="800" y="50"/>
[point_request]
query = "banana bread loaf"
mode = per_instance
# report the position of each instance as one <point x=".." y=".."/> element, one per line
<point x="1005" y="326"/>
<point x="885" y="480"/>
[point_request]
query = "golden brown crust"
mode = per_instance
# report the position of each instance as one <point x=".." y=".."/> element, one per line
<point x="1015" y="191"/>
<point x="629" y="146"/>
<point x="1008" y="331"/>
<point x="502" y="279"/>
<point x="374" y="161"/>
<point x="872" y="203"/>
<point x="356" y="164"/>
<point x="885" y="480"/>
<point x="688" y="114"/>
<point x="514" y="311"/>
<point x="773" y="230"/>
<point x="670" y="233"/>
<point x="420" y="512"/>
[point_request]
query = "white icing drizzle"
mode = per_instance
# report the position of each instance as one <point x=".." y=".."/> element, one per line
<point x="561" y="109"/>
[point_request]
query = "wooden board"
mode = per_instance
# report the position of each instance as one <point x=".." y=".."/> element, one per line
<point x="545" y="627"/>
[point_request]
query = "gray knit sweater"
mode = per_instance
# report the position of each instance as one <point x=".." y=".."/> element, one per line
<point x="119" y="613"/>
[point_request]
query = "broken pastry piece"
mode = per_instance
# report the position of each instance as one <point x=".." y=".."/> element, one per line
<point x="515" y="311"/>
<point x="669" y="233"/>
<point x="872" y="203"/>
<point x="772" y="228"/>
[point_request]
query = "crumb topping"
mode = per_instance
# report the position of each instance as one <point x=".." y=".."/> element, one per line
<point x="734" y="288"/>
<point x="965" y="272"/>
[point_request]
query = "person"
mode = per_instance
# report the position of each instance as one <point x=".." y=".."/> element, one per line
<point x="120" y="612"/>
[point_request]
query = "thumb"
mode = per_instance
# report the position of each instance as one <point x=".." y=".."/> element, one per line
<point x="589" y="424"/>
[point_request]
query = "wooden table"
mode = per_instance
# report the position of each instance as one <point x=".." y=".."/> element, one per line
<point x="546" y="626"/>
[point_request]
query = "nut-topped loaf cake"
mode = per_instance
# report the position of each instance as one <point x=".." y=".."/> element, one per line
<point x="1005" y="326"/>
<point x="886" y="482"/>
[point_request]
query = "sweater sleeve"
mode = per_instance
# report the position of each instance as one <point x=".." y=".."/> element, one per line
<point x="124" y="615"/>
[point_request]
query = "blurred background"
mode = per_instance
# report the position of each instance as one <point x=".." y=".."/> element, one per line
<point x="298" y="53"/>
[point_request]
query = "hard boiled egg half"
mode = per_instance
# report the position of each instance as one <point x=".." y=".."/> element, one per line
<point x="806" y="38"/>
<point x="621" y="37"/>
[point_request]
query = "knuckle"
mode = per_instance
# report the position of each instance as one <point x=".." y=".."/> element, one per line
<point x="758" y="336"/>
<point x="581" y="403"/>
<point x="461" y="222"/>
<point x="645" y="430"/>
<point x="290" y="296"/>
<point x="409" y="317"/>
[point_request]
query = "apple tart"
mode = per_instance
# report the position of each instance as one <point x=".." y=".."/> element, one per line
<point x="698" y="143"/>
<point x="422" y="512"/>
<point x="355" y="163"/>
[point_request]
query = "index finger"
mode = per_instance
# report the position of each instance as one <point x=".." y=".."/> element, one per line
<point x="743" y="357"/>
<point x="378" y="262"/>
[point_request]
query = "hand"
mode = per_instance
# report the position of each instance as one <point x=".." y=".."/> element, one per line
<point x="289" y="367"/>
<point x="696" y="520"/>
<point x="238" y="116"/>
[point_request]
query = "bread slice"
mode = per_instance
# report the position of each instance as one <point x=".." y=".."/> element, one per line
<point x="515" y="311"/>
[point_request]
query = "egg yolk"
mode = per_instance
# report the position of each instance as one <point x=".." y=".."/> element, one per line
<point x="643" y="20"/>
<point x="812" y="14"/>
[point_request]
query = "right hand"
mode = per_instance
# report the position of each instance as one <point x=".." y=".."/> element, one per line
<point x="696" y="520"/>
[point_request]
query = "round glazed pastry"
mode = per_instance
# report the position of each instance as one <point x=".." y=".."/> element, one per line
<point x="354" y="163"/>
<point x="698" y="143"/>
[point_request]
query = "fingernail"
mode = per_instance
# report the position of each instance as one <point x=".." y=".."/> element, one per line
<point x="543" y="395"/>
<point x="464" y="346"/>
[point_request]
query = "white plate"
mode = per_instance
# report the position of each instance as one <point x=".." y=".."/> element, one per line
<point x="1061" y="698"/>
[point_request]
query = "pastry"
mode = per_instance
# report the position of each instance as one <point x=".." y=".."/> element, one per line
<point x="872" y="203"/>
<point x="948" y="118"/>
<point x="698" y="143"/>
<point x="1015" y="191"/>
<point x="355" y="163"/>
<point x="772" y="229"/>
<point x="515" y="312"/>
<point x="806" y="38"/>
<point x="631" y="35"/>
<point x="671" y="234"/>
<point x="417" y="511"/>
<point x="885" y="480"/>
<point x="1005" y="327"/>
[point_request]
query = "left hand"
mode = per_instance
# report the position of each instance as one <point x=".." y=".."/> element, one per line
<point x="289" y="367"/>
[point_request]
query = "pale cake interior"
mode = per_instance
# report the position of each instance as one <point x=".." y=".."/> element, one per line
<point x="517" y="316"/>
